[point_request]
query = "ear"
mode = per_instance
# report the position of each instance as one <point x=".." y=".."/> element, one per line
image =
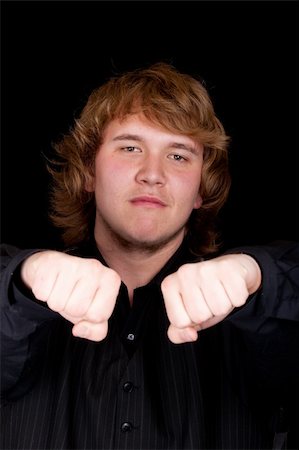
<point x="89" y="184"/>
<point x="197" y="202"/>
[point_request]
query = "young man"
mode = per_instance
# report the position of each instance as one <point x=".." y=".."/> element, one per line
<point x="138" y="336"/>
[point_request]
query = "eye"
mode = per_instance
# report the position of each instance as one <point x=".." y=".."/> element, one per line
<point x="177" y="157"/>
<point x="131" y="149"/>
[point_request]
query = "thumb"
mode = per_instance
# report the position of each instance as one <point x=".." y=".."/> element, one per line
<point x="190" y="334"/>
<point x="91" y="331"/>
<point x="182" y="335"/>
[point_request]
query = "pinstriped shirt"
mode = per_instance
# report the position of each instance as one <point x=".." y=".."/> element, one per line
<point x="136" y="389"/>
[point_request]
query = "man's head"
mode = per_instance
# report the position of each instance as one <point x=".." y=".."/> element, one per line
<point x="173" y="101"/>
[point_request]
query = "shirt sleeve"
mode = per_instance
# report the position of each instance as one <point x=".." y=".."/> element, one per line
<point x="261" y="339"/>
<point x="278" y="296"/>
<point x="24" y="322"/>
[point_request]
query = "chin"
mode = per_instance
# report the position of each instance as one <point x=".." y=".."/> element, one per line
<point x="147" y="242"/>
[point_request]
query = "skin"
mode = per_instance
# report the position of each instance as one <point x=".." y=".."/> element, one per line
<point x="146" y="183"/>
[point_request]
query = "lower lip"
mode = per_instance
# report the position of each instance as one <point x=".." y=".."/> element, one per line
<point x="147" y="204"/>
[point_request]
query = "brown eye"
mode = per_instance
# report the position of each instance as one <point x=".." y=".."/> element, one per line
<point x="177" y="157"/>
<point x="130" y="149"/>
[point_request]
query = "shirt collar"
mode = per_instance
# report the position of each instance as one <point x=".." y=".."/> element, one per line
<point x="181" y="256"/>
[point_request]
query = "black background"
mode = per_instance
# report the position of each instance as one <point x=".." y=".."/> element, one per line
<point x="55" y="53"/>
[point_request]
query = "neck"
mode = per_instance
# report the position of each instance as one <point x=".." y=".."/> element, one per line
<point x="136" y="266"/>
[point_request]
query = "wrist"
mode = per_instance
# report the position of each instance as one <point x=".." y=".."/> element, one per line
<point x="253" y="273"/>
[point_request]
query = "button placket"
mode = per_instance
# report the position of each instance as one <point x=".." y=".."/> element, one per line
<point x="129" y="395"/>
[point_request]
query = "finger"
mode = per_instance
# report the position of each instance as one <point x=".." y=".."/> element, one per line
<point x="93" y="277"/>
<point x="81" y="296"/>
<point x="236" y="290"/>
<point x="174" y="305"/>
<point x="216" y="297"/>
<point x="43" y="284"/>
<point x="75" y="286"/>
<point x="195" y="304"/>
<point x="84" y="292"/>
<point x="61" y="291"/>
<point x="103" y="303"/>
<point x="182" y="335"/>
<point x="91" y="331"/>
<point x="105" y="297"/>
<point x="190" y="289"/>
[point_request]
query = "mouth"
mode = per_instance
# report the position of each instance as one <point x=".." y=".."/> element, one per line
<point x="148" y="201"/>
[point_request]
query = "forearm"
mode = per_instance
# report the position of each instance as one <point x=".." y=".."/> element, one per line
<point x="261" y="339"/>
<point x="21" y="318"/>
<point x="278" y="295"/>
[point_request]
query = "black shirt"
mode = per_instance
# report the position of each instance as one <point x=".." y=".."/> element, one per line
<point x="233" y="388"/>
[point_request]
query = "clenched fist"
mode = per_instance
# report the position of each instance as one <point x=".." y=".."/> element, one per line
<point x="81" y="290"/>
<point x="202" y="294"/>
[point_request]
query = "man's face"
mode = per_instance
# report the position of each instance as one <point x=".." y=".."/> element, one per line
<point x="146" y="183"/>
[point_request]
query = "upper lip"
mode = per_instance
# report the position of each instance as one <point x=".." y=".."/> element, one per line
<point x="148" y="198"/>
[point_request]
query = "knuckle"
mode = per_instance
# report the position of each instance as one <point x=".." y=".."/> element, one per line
<point x="226" y="266"/>
<point x="206" y="269"/>
<point x="93" y="266"/>
<point x="114" y="277"/>
<point x="184" y="271"/>
<point x="167" y="282"/>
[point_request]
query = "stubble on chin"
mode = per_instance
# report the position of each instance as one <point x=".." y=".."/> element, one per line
<point x="140" y="245"/>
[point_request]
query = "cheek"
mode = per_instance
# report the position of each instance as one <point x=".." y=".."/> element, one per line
<point x="111" y="179"/>
<point x="188" y="189"/>
<point x="112" y="170"/>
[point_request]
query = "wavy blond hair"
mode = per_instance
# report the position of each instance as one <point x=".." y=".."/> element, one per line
<point x="167" y="97"/>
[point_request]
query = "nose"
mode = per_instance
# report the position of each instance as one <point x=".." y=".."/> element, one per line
<point x="151" y="171"/>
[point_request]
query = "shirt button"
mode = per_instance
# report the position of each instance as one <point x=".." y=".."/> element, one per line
<point x="126" y="426"/>
<point x="131" y="337"/>
<point x="128" y="386"/>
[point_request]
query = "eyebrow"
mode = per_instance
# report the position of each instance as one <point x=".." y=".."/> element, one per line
<point x="176" y="145"/>
<point x="128" y="137"/>
<point x="189" y="148"/>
